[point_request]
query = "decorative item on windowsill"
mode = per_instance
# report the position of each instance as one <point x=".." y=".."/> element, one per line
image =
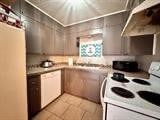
<point x="7" y="15"/>
<point x="78" y="40"/>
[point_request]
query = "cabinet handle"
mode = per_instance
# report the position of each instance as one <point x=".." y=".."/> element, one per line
<point x="33" y="83"/>
<point x="37" y="89"/>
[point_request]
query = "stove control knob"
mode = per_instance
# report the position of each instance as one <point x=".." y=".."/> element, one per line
<point x="157" y="68"/>
<point x="152" y="69"/>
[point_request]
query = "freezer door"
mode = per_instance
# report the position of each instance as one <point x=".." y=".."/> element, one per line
<point x="13" y="88"/>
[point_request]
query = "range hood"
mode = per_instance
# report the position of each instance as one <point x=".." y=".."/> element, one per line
<point x="144" y="19"/>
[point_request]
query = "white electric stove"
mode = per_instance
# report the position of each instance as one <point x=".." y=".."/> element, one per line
<point x="133" y="98"/>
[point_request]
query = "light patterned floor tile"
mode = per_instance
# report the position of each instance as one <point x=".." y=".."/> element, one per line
<point x="90" y="116"/>
<point x="99" y="111"/>
<point x="64" y="97"/>
<point x="68" y="107"/>
<point x="58" y="108"/>
<point x="73" y="113"/>
<point x="76" y="101"/>
<point x="51" y="105"/>
<point x="43" y="115"/>
<point x="53" y="117"/>
<point x="88" y="106"/>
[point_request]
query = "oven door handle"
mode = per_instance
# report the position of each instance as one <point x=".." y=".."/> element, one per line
<point x="102" y="90"/>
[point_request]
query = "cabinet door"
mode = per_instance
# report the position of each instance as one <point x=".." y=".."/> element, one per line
<point x="47" y="39"/>
<point x="76" y="83"/>
<point x="112" y="44"/>
<point x="91" y="86"/>
<point x="16" y="6"/>
<point x="59" y="43"/>
<point x="34" y="95"/>
<point x="33" y="38"/>
<point x="70" y="44"/>
<point x="92" y="90"/>
<point x="73" y="82"/>
<point x="28" y="10"/>
<point x="141" y="45"/>
<point x="67" y="77"/>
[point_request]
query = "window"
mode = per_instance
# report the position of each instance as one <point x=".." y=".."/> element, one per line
<point x="91" y="48"/>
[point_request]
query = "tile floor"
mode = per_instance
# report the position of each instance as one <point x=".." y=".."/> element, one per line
<point x="68" y="107"/>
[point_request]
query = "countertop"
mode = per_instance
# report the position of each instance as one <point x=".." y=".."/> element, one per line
<point x="109" y="70"/>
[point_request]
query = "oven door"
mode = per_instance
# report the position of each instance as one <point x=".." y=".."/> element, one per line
<point x="102" y="91"/>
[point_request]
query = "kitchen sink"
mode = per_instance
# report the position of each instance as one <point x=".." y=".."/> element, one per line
<point x="87" y="67"/>
<point x="151" y="97"/>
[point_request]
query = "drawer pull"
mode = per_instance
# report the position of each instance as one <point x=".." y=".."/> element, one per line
<point x="33" y="83"/>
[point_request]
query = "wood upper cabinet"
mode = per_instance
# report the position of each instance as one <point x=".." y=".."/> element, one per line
<point x="79" y="30"/>
<point x="112" y="42"/>
<point x="140" y="45"/>
<point x="71" y="44"/>
<point x="39" y="37"/>
<point x="28" y="10"/>
<point x="33" y="39"/>
<point x="59" y="42"/>
<point x="47" y="38"/>
<point x="16" y="6"/>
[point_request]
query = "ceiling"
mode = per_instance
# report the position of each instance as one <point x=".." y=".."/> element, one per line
<point x="69" y="12"/>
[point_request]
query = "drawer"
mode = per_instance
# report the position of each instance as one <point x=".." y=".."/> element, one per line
<point x="34" y="81"/>
<point x="46" y="75"/>
<point x="51" y="74"/>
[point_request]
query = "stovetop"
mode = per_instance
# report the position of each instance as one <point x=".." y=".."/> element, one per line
<point x="127" y="94"/>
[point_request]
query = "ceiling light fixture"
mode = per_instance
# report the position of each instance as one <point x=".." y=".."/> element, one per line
<point x="74" y="2"/>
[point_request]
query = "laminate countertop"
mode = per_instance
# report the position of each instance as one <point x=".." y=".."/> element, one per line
<point x="103" y="70"/>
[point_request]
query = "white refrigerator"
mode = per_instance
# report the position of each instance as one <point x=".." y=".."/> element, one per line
<point x="13" y="84"/>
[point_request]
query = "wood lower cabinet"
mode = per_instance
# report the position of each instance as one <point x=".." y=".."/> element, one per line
<point x="75" y="77"/>
<point x="92" y="90"/>
<point x="82" y="83"/>
<point x="34" y="95"/>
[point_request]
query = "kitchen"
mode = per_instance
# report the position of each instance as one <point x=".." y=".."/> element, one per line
<point x="79" y="60"/>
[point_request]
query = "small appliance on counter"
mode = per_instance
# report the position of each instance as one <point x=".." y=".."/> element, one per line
<point x="127" y="66"/>
<point x="70" y="61"/>
<point x="47" y="64"/>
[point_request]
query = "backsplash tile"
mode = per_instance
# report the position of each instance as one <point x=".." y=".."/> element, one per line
<point x="105" y="60"/>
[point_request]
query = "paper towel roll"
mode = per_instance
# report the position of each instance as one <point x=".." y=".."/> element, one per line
<point x="70" y="61"/>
